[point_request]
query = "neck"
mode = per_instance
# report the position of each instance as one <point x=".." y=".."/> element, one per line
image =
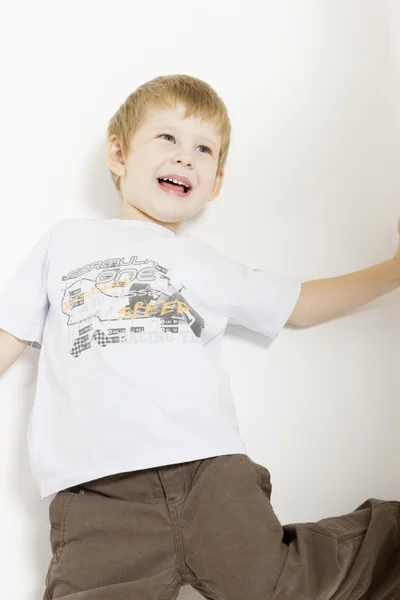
<point x="132" y="212"/>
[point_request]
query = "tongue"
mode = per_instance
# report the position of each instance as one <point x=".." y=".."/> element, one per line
<point x="172" y="186"/>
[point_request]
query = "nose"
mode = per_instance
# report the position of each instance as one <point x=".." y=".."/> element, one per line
<point x="186" y="162"/>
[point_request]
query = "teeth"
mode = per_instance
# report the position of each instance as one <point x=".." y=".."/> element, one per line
<point x="174" y="181"/>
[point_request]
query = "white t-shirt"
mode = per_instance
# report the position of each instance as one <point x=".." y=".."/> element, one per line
<point x="130" y="318"/>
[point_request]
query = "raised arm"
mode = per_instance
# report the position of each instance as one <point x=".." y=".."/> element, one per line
<point x="324" y="299"/>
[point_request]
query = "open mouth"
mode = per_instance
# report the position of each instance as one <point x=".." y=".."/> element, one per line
<point x="173" y="188"/>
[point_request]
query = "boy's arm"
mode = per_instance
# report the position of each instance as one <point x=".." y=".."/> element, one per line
<point x="10" y="349"/>
<point x="324" y="299"/>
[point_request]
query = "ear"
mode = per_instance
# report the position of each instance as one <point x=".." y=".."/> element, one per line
<point x="217" y="185"/>
<point x="114" y="157"/>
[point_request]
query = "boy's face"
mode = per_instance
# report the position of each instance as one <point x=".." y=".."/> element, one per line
<point x="167" y="144"/>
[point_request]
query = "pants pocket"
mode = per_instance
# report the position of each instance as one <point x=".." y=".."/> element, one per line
<point x="263" y="476"/>
<point x="58" y="513"/>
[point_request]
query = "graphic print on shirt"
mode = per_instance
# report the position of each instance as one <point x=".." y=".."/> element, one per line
<point x="117" y="300"/>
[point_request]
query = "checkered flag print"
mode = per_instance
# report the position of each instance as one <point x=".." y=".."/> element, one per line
<point x="80" y="345"/>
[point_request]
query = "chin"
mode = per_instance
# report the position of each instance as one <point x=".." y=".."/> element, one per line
<point x="169" y="216"/>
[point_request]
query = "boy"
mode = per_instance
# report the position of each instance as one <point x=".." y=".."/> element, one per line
<point x="134" y="427"/>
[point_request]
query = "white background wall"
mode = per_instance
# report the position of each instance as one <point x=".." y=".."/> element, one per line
<point x="311" y="190"/>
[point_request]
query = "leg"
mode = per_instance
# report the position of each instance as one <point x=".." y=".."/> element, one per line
<point x="239" y="550"/>
<point x="114" y="541"/>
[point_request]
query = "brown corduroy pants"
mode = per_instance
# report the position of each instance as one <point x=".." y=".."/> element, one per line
<point x="209" y="523"/>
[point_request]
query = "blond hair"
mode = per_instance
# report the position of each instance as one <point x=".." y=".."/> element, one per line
<point x="166" y="91"/>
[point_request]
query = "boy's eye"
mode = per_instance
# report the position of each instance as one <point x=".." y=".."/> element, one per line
<point x="201" y="146"/>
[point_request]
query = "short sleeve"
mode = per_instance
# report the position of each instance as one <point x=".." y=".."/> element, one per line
<point x="259" y="300"/>
<point x="24" y="302"/>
